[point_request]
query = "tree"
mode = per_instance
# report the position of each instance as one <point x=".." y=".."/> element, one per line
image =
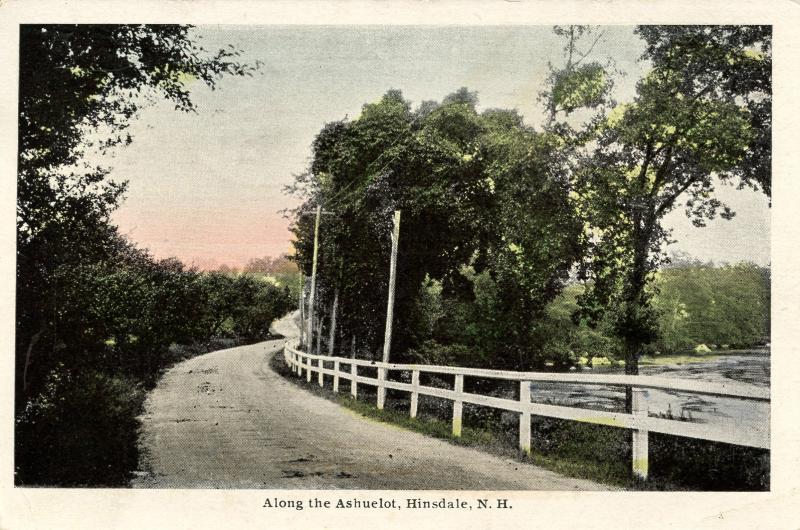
<point x="702" y="113"/>
<point x="80" y="86"/>
<point x="478" y="189"/>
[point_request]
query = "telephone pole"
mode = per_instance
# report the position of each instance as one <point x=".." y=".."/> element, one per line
<point x="332" y="336"/>
<point x="387" y="340"/>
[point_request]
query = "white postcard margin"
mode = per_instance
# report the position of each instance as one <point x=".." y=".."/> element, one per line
<point x="46" y="508"/>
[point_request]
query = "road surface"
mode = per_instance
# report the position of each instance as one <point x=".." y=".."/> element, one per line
<point x="227" y="420"/>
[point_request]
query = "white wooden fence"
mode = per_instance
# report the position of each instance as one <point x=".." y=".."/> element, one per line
<point x="638" y="420"/>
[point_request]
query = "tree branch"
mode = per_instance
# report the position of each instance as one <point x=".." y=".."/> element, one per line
<point x="669" y="201"/>
<point x="584" y="55"/>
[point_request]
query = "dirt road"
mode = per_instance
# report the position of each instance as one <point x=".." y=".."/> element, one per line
<point x="227" y="420"/>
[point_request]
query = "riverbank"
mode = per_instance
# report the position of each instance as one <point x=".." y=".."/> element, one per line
<point x="699" y="356"/>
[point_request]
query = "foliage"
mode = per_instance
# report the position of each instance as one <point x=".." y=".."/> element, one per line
<point x="94" y="314"/>
<point x="475" y="189"/>
<point x="582" y="86"/>
<point x="80" y="85"/>
<point x="694" y="304"/>
<point x="701" y="304"/>
<point x="257" y="304"/>
<point x="700" y="114"/>
<point x="80" y="430"/>
<point x="269" y="265"/>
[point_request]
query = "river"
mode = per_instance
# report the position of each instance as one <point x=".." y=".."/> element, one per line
<point x="742" y="366"/>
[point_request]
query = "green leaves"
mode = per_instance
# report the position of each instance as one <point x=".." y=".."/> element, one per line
<point x="468" y="184"/>
<point x="702" y="304"/>
<point x="700" y="113"/>
<point x="587" y="86"/>
<point x="76" y="277"/>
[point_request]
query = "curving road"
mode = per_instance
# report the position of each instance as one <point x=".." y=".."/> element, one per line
<point x="227" y="420"/>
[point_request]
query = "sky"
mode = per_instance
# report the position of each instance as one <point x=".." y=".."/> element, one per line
<point x="208" y="187"/>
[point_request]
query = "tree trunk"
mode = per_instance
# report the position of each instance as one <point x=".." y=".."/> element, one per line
<point x="318" y="327"/>
<point x="632" y="349"/>
<point x="332" y="335"/>
<point x="635" y="300"/>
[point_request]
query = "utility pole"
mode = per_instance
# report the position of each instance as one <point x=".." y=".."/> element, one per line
<point x="313" y="282"/>
<point x="387" y="340"/>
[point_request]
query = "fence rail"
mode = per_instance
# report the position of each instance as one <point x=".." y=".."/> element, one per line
<point x="638" y="420"/>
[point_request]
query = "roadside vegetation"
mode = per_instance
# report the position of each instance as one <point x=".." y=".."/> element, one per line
<point x="97" y="318"/>
<point x="121" y="323"/>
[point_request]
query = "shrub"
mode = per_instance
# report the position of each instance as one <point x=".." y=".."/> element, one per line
<point x="80" y="430"/>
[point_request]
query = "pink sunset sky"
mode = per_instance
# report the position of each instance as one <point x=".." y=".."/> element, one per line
<point x="208" y="187"/>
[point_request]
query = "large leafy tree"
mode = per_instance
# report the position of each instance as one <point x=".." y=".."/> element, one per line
<point x="80" y="86"/>
<point x="474" y="188"/>
<point x="700" y="116"/>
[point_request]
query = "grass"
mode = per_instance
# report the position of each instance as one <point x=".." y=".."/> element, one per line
<point x="570" y="459"/>
<point x="422" y="424"/>
<point x="595" y="452"/>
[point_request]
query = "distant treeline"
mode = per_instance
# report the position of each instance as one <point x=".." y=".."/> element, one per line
<point x="279" y="266"/>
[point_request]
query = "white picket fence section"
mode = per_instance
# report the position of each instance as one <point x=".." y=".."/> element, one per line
<point x="639" y="421"/>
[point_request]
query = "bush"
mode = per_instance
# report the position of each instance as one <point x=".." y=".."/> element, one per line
<point x="80" y="431"/>
<point x="431" y="352"/>
<point x="710" y="466"/>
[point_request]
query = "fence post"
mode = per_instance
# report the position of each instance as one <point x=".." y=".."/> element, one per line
<point x="320" y="364"/>
<point x="640" y="444"/>
<point x="414" y="392"/>
<point x="335" y="376"/>
<point x="308" y="369"/>
<point x="525" y="417"/>
<point x="381" y="388"/>
<point x="353" y="384"/>
<point x="458" y="406"/>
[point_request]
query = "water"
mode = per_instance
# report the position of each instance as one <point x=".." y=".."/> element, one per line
<point x="746" y="366"/>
